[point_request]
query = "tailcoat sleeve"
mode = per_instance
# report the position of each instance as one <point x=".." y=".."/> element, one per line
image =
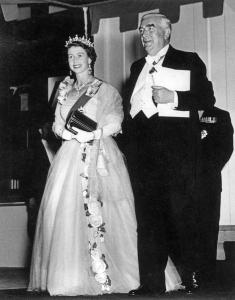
<point x="201" y="94"/>
<point x="217" y="146"/>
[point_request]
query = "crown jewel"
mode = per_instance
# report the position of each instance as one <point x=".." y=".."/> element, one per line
<point x="82" y="40"/>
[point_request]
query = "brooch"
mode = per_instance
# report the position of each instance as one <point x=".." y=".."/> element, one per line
<point x="204" y="133"/>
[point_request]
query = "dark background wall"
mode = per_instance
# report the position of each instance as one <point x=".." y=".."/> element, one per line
<point x="31" y="50"/>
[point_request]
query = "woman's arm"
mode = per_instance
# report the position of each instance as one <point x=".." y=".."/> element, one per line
<point x="107" y="130"/>
<point x="58" y="126"/>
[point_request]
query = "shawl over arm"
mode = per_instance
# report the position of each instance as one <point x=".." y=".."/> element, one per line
<point x="110" y="110"/>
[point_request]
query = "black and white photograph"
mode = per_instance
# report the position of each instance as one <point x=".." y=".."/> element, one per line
<point x="117" y="162"/>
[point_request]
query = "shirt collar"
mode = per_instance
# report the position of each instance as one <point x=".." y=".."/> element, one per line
<point x="158" y="56"/>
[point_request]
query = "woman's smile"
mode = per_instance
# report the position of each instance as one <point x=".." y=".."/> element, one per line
<point x="78" y="59"/>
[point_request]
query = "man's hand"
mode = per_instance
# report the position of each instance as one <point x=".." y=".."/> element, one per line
<point x="32" y="208"/>
<point x="162" y="95"/>
<point x="83" y="136"/>
<point x="32" y="203"/>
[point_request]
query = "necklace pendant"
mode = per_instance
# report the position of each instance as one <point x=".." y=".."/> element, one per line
<point x="78" y="88"/>
<point x="83" y="85"/>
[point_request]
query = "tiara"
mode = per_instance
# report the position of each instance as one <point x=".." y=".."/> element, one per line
<point x="82" y="40"/>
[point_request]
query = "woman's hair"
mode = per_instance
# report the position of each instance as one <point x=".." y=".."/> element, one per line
<point x="89" y="50"/>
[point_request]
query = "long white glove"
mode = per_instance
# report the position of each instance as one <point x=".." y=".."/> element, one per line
<point x="107" y="130"/>
<point x="83" y="136"/>
<point x="67" y="135"/>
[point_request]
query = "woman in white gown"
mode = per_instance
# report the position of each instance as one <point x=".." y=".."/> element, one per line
<point x="86" y="240"/>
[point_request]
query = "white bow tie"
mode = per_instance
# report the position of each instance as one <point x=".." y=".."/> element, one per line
<point x="153" y="60"/>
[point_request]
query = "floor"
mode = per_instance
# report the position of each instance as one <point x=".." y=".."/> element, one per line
<point x="13" y="284"/>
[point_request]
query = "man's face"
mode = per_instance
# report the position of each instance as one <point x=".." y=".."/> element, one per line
<point x="152" y="35"/>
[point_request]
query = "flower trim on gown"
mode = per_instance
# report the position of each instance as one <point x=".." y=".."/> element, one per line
<point x="92" y="206"/>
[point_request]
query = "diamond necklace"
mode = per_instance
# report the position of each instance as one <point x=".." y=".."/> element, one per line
<point x="78" y="88"/>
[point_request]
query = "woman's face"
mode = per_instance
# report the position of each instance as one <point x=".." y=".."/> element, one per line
<point x="78" y="59"/>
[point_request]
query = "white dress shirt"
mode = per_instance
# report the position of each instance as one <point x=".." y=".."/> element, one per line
<point x="141" y="98"/>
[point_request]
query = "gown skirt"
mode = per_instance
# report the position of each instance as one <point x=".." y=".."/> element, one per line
<point x="62" y="260"/>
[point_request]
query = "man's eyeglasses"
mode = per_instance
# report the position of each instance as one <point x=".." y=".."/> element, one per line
<point x="150" y="28"/>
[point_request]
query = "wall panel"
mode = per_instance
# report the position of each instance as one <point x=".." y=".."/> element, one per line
<point x="183" y="31"/>
<point x="229" y="31"/>
<point x="13" y="237"/>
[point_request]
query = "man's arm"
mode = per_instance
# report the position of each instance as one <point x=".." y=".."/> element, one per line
<point x="220" y="146"/>
<point x="201" y="94"/>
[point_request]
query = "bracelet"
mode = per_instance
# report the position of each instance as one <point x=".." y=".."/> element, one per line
<point x="60" y="132"/>
<point x="98" y="133"/>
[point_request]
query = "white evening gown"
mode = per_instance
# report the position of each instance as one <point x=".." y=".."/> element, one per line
<point x="86" y="248"/>
<point x="65" y="260"/>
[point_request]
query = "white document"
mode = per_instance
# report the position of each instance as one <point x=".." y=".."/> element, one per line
<point x="166" y="110"/>
<point x="175" y="80"/>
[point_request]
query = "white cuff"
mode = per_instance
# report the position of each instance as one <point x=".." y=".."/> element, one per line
<point x="66" y="135"/>
<point x="98" y="134"/>
<point x="174" y="105"/>
<point x="107" y="130"/>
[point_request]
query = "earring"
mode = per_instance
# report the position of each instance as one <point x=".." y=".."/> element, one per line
<point x="89" y="69"/>
<point x="70" y="73"/>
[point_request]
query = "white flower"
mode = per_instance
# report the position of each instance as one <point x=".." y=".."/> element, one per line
<point x="62" y="85"/>
<point x="93" y="208"/>
<point x="95" y="254"/>
<point x="62" y="95"/>
<point x="105" y="288"/>
<point x="86" y="168"/>
<point x="64" y="88"/>
<point x="101" y="278"/>
<point x="98" y="266"/>
<point x="95" y="221"/>
<point x="85" y="193"/>
<point x="68" y="80"/>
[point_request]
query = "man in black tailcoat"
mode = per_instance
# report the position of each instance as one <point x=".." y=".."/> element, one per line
<point x="216" y="149"/>
<point x="167" y="88"/>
